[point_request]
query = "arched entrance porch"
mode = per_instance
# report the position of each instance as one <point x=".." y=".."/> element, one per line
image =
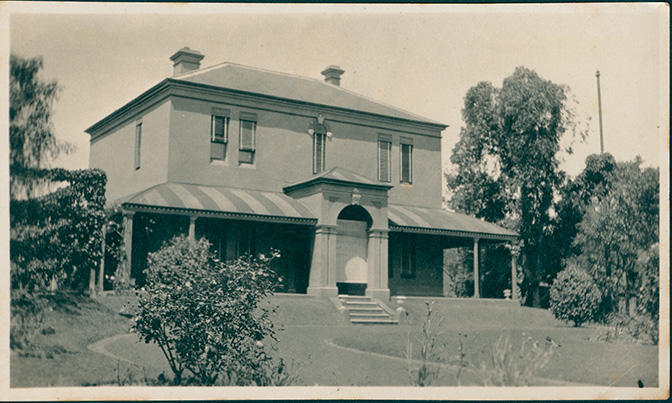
<point x="352" y="243"/>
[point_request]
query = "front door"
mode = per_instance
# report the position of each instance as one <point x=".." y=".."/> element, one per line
<point x="351" y="250"/>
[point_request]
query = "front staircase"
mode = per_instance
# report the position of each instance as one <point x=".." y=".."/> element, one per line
<point x="365" y="310"/>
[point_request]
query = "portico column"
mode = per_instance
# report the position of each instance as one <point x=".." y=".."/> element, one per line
<point x="377" y="265"/>
<point x="128" y="244"/>
<point x="477" y="293"/>
<point x="514" y="277"/>
<point x="192" y="228"/>
<point x="323" y="266"/>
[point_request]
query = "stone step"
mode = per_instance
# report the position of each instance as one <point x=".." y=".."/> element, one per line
<point x="369" y="315"/>
<point x="366" y="309"/>
<point x="359" y="303"/>
<point x="345" y="296"/>
<point x="373" y="321"/>
<point x="361" y="309"/>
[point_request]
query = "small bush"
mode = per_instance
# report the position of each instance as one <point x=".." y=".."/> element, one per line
<point x="623" y="328"/>
<point x="204" y="314"/>
<point x="574" y="296"/>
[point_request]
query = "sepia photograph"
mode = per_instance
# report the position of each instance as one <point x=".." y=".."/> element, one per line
<point x="334" y="201"/>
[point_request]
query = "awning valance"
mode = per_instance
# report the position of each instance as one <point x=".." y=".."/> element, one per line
<point x="221" y="201"/>
<point x="443" y="222"/>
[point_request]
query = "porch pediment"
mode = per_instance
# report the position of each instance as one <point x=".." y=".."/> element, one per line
<point x="339" y="176"/>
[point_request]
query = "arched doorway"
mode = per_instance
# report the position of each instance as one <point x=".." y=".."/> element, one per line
<point x="352" y="242"/>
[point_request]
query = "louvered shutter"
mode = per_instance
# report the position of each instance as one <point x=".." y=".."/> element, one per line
<point x="384" y="149"/>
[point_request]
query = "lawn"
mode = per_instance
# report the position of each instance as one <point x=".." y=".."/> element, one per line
<point x="327" y="350"/>
<point x="61" y="356"/>
<point x="479" y="325"/>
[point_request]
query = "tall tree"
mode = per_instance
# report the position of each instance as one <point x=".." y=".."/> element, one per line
<point x="576" y="195"/>
<point x="507" y="161"/>
<point x="619" y="230"/>
<point x="31" y="132"/>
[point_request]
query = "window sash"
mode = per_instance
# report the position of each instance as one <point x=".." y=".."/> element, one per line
<point x="247" y="135"/>
<point x="138" y="144"/>
<point x="384" y="160"/>
<point x="319" y="152"/>
<point x="219" y="131"/>
<point x="406" y="163"/>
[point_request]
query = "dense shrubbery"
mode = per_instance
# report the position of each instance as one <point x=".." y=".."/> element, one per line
<point x="205" y="315"/>
<point x="57" y="237"/>
<point x="574" y="296"/>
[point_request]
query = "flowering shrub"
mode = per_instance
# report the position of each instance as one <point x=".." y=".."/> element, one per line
<point x="204" y="314"/>
<point x="574" y="296"/>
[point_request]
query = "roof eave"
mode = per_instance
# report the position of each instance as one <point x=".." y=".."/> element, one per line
<point x="427" y="122"/>
<point x="128" y="107"/>
<point x="166" y="83"/>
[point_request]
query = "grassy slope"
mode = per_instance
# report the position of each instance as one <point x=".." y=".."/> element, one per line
<point x="479" y="324"/>
<point x="78" y="322"/>
<point x="303" y="323"/>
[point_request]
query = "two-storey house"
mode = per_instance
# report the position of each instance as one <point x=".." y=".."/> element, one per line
<point x="347" y="188"/>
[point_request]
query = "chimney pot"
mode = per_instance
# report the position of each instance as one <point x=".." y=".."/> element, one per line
<point x="332" y="75"/>
<point x="186" y="60"/>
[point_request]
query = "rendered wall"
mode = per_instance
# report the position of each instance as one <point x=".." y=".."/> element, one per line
<point x="284" y="151"/>
<point x="114" y="153"/>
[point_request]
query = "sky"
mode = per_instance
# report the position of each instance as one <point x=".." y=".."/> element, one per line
<point x="420" y="58"/>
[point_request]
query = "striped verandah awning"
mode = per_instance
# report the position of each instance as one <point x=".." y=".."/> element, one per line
<point x="442" y="222"/>
<point x="220" y="202"/>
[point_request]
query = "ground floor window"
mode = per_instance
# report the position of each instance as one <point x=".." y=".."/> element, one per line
<point x="408" y="259"/>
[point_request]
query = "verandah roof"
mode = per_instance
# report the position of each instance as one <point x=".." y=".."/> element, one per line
<point x="442" y="222"/>
<point x="271" y="206"/>
<point x="221" y="201"/>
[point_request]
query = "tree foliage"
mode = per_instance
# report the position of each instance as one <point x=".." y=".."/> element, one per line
<point x="204" y="314"/>
<point x="507" y="159"/>
<point x="618" y="229"/>
<point x="57" y="237"/>
<point x="31" y="132"/>
<point x="576" y="195"/>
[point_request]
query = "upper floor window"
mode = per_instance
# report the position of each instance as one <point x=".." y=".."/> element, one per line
<point x="406" y="170"/>
<point x="248" y="129"/>
<point x="319" y="151"/>
<point x="138" y="143"/>
<point x="219" y="133"/>
<point x="384" y="159"/>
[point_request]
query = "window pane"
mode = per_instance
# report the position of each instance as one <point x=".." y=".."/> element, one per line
<point x="219" y="129"/>
<point x="406" y="163"/>
<point x="217" y="151"/>
<point x="247" y="129"/>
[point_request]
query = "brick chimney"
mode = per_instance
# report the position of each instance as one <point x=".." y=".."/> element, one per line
<point x="332" y="75"/>
<point x="185" y="60"/>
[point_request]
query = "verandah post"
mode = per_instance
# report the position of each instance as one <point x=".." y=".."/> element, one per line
<point x="477" y="293"/>
<point x="514" y="276"/>
<point x="192" y="228"/>
<point x="128" y="243"/>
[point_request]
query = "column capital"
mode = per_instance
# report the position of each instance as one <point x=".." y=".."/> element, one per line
<point x="378" y="233"/>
